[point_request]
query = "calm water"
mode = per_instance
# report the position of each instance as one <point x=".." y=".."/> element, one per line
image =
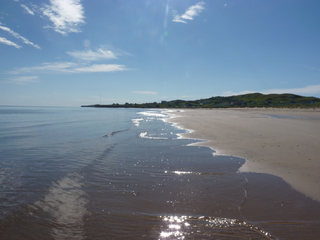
<point x="86" y="173"/>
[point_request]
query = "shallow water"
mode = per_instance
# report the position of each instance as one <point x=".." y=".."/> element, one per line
<point x="85" y="173"/>
<point x="291" y="117"/>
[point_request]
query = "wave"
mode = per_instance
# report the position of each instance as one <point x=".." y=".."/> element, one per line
<point x="153" y="114"/>
<point x="35" y="126"/>
<point x="115" y="132"/>
<point x="137" y="121"/>
<point x="145" y="135"/>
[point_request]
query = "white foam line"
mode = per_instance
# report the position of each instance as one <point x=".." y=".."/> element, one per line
<point x="144" y="135"/>
<point x="137" y="121"/>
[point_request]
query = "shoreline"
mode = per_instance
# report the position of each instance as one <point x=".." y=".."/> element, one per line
<point x="281" y="142"/>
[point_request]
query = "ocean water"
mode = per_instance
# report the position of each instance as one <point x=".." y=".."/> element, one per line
<point x="88" y="173"/>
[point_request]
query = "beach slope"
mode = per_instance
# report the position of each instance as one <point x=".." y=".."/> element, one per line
<point x="282" y="142"/>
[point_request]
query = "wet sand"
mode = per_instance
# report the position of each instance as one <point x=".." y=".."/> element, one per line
<point x="282" y="142"/>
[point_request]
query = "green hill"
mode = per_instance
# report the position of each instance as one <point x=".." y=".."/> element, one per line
<point x="245" y="100"/>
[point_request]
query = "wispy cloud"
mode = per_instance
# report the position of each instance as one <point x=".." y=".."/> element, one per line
<point x="8" y="42"/>
<point x="88" y="55"/>
<point x="306" y="91"/>
<point x="17" y="35"/>
<point x="66" y="15"/>
<point x="145" y="92"/>
<point x="69" y="67"/>
<point x="28" y="10"/>
<point x="189" y="14"/>
<point x="23" y="79"/>
<point x="101" y="68"/>
<point x="231" y="93"/>
<point x="64" y="67"/>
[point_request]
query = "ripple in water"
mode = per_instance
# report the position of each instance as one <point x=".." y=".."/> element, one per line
<point x="188" y="227"/>
<point x="66" y="205"/>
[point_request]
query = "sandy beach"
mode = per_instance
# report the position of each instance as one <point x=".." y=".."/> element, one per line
<point x="282" y="142"/>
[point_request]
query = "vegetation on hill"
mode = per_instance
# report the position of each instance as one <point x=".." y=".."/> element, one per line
<point x="246" y="100"/>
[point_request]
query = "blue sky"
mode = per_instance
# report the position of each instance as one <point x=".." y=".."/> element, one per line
<point x="73" y="52"/>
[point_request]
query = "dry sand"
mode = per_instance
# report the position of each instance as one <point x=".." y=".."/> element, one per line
<point x="288" y="147"/>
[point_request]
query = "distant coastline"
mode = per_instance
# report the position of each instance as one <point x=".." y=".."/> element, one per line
<point x="250" y="100"/>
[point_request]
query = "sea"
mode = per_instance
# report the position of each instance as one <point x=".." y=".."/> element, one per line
<point x="115" y="173"/>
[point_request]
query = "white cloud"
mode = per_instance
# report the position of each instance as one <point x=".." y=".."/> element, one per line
<point x="69" y="67"/>
<point x="145" y="92"/>
<point x="23" y="79"/>
<point x="56" y="66"/>
<point x="305" y="91"/>
<point x="66" y="15"/>
<point x="28" y="10"/>
<point x="89" y="55"/>
<point x="189" y="14"/>
<point x="6" y="41"/>
<point x="102" y="68"/>
<point x="65" y="67"/>
<point x="230" y="93"/>
<point x="17" y="35"/>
